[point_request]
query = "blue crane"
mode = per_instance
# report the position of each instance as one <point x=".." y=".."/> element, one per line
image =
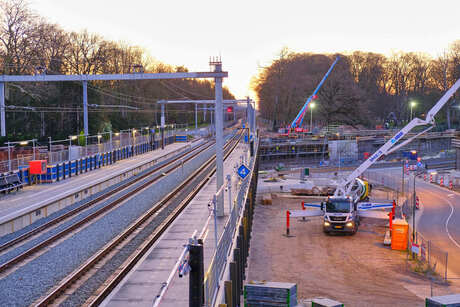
<point x="297" y="122"/>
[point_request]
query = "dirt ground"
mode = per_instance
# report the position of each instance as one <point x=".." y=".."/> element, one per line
<point x="355" y="270"/>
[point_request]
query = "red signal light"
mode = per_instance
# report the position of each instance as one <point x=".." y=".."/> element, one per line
<point x="229" y="109"/>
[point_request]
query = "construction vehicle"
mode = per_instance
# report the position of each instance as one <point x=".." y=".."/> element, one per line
<point x="298" y="120"/>
<point x="341" y="211"/>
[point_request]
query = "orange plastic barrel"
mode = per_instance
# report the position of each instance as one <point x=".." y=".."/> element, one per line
<point x="399" y="235"/>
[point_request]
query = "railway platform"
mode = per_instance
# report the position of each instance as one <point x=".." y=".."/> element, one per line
<point x="141" y="286"/>
<point x="22" y="208"/>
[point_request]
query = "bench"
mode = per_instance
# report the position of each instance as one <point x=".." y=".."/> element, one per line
<point x="10" y="182"/>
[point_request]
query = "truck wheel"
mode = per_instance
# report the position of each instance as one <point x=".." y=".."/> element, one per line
<point x="355" y="230"/>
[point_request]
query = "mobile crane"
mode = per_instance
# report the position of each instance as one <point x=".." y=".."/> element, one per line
<point x="298" y="120"/>
<point x="341" y="211"/>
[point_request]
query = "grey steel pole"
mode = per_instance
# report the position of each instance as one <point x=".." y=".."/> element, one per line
<point x="204" y="113"/>
<point x="162" y="126"/>
<point x="111" y="144"/>
<point x="2" y="108"/>
<point x="248" y="105"/>
<point x="218" y="113"/>
<point x="311" y="119"/>
<point x="50" y="153"/>
<point x="229" y="185"/>
<point x="402" y="181"/>
<point x="9" y="157"/>
<point x="70" y="145"/>
<point x="254" y="120"/>
<point x="212" y="128"/>
<point x="85" y="107"/>
<point x="33" y="148"/>
<point x="413" y="213"/>
<point x="196" y="116"/>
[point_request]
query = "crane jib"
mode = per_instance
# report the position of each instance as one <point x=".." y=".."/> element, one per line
<point x="299" y="118"/>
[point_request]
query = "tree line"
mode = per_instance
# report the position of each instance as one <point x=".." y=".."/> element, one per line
<point x="31" y="45"/>
<point x="364" y="89"/>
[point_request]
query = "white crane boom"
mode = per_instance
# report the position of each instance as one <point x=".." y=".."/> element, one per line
<point x="345" y="186"/>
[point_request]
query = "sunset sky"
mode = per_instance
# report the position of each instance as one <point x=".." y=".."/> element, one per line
<point x="249" y="34"/>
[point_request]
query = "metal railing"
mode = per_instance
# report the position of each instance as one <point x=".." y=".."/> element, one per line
<point x="220" y="258"/>
<point x="93" y="145"/>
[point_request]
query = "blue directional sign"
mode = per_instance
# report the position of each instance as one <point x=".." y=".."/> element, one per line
<point x="243" y="171"/>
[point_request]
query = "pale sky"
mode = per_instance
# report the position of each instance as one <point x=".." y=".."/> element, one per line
<point x="249" y="34"/>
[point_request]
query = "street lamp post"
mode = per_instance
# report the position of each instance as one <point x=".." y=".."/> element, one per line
<point x="412" y="105"/>
<point x="413" y="211"/>
<point x="312" y="106"/>
<point x="33" y="148"/>
<point x="402" y="181"/>
<point x="71" y="137"/>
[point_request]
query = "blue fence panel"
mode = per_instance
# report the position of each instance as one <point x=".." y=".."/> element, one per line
<point x="73" y="167"/>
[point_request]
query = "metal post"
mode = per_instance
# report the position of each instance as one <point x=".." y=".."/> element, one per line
<point x="248" y="105"/>
<point x="413" y="214"/>
<point x="216" y="235"/>
<point x="33" y="148"/>
<point x="445" y="272"/>
<point x="86" y="145"/>
<point x="9" y="157"/>
<point x="254" y="120"/>
<point x="85" y="107"/>
<point x="2" y="108"/>
<point x="196" y="278"/>
<point x="219" y="139"/>
<point x="204" y="112"/>
<point x="311" y="119"/>
<point x="50" y="153"/>
<point x="212" y="128"/>
<point x="162" y="126"/>
<point x="196" y="116"/>
<point x="111" y="144"/>
<point x="70" y="145"/>
<point x="402" y="182"/>
<point x="229" y="186"/>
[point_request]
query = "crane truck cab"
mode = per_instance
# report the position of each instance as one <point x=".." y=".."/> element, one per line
<point x="340" y="215"/>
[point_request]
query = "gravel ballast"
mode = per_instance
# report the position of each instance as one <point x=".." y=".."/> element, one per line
<point x="31" y="281"/>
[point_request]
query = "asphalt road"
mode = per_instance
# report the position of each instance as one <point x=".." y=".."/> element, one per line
<point x="438" y="219"/>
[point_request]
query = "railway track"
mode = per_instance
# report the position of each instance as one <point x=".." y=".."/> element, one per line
<point x="119" y="195"/>
<point x="154" y="222"/>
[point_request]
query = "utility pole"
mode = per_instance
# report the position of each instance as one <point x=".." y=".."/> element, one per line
<point x="402" y="183"/>
<point x="413" y="211"/>
<point x="2" y="109"/>
<point x="196" y="116"/>
<point x="162" y="128"/>
<point x="204" y="113"/>
<point x="218" y="114"/>
<point x="85" y="107"/>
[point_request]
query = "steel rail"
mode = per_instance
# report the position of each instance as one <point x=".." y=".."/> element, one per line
<point x="60" y="218"/>
<point x="24" y="255"/>
<point x="76" y="275"/>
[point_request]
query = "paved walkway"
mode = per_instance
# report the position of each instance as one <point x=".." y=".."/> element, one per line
<point x="29" y="196"/>
<point x="141" y="286"/>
